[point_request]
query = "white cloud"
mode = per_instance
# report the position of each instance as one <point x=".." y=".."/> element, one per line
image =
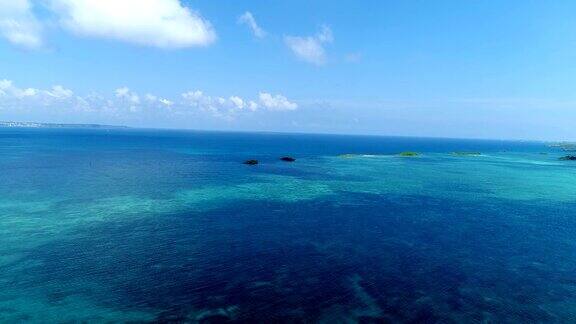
<point x="4" y="85"/>
<point x="158" y="23"/>
<point x="151" y="97"/>
<point x="226" y="107"/>
<point x="19" y="25"/>
<point x="8" y="89"/>
<point x="307" y="49"/>
<point x="32" y="102"/>
<point x="237" y="101"/>
<point x="193" y="95"/>
<point x="311" y="48"/>
<point x="248" y="19"/>
<point x="121" y="92"/>
<point x="196" y="98"/>
<point x="126" y="94"/>
<point x="325" y="35"/>
<point x="155" y="99"/>
<point x="28" y="92"/>
<point x="277" y="102"/>
<point x="166" y="102"/>
<point x="217" y="106"/>
<point x="59" y="92"/>
<point x="252" y="105"/>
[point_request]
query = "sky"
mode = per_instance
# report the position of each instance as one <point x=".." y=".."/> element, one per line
<point x="472" y="69"/>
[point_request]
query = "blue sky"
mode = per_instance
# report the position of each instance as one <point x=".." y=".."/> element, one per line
<point x="486" y="69"/>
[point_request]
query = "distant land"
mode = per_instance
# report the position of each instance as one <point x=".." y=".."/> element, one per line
<point x="51" y="125"/>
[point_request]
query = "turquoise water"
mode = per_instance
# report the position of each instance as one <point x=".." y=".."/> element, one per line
<point x="132" y="225"/>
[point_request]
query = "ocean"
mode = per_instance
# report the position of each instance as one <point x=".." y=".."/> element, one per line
<point x="169" y="226"/>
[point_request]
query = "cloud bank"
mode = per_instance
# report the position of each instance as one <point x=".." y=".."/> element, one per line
<point x="10" y="92"/>
<point x="228" y="107"/>
<point x="123" y="102"/>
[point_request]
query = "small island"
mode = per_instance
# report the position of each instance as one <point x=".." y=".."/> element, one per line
<point x="408" y="154"/>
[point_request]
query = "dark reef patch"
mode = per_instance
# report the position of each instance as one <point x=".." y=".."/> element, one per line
<point x="418" y="259"/>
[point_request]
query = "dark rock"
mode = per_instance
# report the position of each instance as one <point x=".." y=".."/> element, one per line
<point x="287" y="159"/>
<point x="568" y="158"/>
<point x="215" y="319"/>
<point x="251" y="162"/>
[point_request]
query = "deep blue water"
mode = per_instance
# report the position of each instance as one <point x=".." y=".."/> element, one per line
<point x="148" y="225"/>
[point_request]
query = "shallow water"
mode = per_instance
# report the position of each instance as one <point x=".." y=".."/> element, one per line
<point x="136" y="225"/>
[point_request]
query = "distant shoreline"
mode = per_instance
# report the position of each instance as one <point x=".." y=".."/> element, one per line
<point x="11" y="124"/>
<point x="14" y="124"/>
